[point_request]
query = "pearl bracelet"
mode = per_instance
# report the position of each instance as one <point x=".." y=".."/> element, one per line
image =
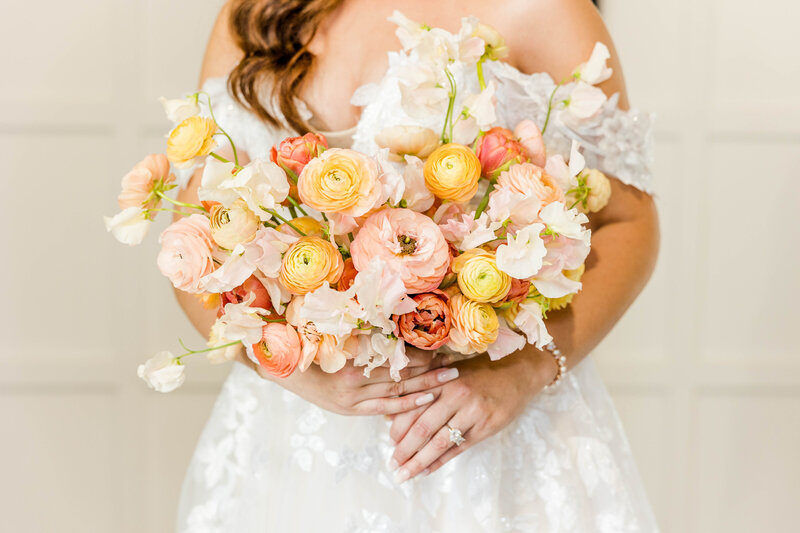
<point x="561" y="361"/>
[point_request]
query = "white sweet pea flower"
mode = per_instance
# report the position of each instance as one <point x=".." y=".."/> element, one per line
<point x="216" y="337"/>
<point x="479" y="114"/>
<point x="381" y="294"/>
<point x="482" y="231"/>
<point x="566" y="175"/>
<point x="389" y="349"/>
<point x="416" y="194"/>
<point x="529" y="320"/>
<point x="215" y="173"/>
<point x="566" y="222"/>
<point x="523" y="256"/>
<point x="596" y="70"/>
<point x="179" y="109"/>
<point x="423" y="100"/>
<point x="521" y="209"/>
<point x="495" y="44"/>
<point x="408" y="31"/>
<point x="240" y="322"/>
<point x="332" y="312"/>
<point x="260" y="184"/>
<point x="163" y="372"/>
<point x="129" y="226"/>
<point x="471" y="45"/>
<point x="584" y="102"/>
<point x="562" y="254"/>
<point x="507" y="342"/>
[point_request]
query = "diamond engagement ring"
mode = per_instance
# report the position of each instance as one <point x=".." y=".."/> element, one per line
<point x="455" y="436"/>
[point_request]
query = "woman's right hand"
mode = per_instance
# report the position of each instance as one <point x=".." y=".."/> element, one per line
<point x="349" y="392"/>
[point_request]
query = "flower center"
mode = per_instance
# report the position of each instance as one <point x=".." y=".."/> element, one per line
<point x="408" y="245"/>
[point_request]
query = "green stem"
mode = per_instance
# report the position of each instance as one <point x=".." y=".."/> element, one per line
<point x="485" y="199"/>
<point x="293" y="211"/>
<point x="189" y="351"/>
<point x="273" y="319"/>
<point x="448" y="118"/>
<point x="225" y="133"/>
<point x="180" y="204"/>
<point x="297" y="205"/>
<point x="285" y="221"/>
<point x="549" y="109"/>
<point x="481" y="79"/>
<point x="219" y="157"/>
<point x="350" y="236"/>
<point x="170" y="211"/>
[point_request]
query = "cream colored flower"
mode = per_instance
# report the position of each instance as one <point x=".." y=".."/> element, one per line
<point x="179" y="109"/>
<point x="599" y="191"/>
<point x="163" y="372"/>
<point x="495" y="44"/>
<point x="233" y="225"/>
<point x="408" y="140"/>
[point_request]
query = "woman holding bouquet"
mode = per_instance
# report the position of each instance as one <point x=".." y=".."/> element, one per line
<point x="460" y="443"/>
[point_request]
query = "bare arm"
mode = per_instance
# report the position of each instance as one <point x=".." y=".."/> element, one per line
<point x="489" y="395"/>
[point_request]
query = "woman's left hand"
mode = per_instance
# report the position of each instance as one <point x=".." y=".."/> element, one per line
<point x="487" y="396"/>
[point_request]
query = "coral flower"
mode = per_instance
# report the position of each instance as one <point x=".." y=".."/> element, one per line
<point x="479" y="278"/>
<point x="241" y="293"/>
<point x="279" y="350"/>
<point x="428" y="326"/>
<point x="348" y="275"/>
<point x="294" y="153"/>
<point x="452" y="172"/>
<point x="340" y="181"/>
<point x="190" y="141"/>
<point x="309" y="263"/>
<point x="531" y="180"/>
<point x="498" y="150"/>
<point x="149" y="174"/>
<point x="411" y="244"/>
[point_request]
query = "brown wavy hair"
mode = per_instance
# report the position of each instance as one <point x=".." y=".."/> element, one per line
<point x="274" y="36"/>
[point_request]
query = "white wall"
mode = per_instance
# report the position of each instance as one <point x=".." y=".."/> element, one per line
<point x="702" y="368"/>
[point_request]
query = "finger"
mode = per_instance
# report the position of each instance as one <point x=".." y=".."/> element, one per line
<point x="417" y="357"/>
<point x="453" y="452"/>
<point x="423" y="382"/>
<point x="383" y="374"/>
<point x="391" y="406"/>
<point x="403" y="421"/>
<point x="435" y="448"/>
<point x="421" y="431"/>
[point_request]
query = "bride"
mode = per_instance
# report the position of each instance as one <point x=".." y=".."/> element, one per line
<point x="320" y="452"/>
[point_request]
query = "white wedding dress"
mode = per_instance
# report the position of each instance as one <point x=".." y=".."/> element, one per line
<point x="269" y="461"/>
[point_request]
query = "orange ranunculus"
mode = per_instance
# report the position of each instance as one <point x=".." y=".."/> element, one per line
<point x="191" y="140"/>
<point x="452" y="172"/>
<point x="428" y="326"/>
<point x="279" y="350"/>
<point x="340" y="181"/>
<point x="309" y="263"/>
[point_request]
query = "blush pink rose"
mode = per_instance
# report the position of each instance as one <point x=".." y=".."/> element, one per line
<point x="138" y="184"/>
<point x="497" y="150"/>
<point x="531" y="180"/>
<point x="185" y="256"/>
<point x="411" y="244"/>
<point x="294" y="153"/>
<point x="241" y="293"/>
<point x="279" y="350"/>
<point x="428" y="326"/>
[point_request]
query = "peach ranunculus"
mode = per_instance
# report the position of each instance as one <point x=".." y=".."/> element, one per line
<point x="138" y="186"/>
<point x="498" y="150"/>
<point x="408" y="140"/>
<point x="294" y="153"/>
<point x="186" y="253"/>
<point x="474" y="325"/>
<point x="340" y="181"/>
<point x="532" y="180"/>
<point x="348" y="275"/>
<point x="241" y="293"/>
<point x="411" y="244"/>
<point x="308" y="225"/>
<point x="428" y="326"/>
<point x="233" y="225"/>
<point x="309" y="263"/>
<point x="190" y="141"/>
<point x="452" y="172"/>
<point x="479" y="278"/>
<point x="279" y="350"/>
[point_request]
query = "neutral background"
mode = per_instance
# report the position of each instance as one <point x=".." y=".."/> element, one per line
<point x="704" y="367"/>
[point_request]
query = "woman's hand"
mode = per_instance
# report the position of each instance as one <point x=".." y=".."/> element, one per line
<point x="349" y="392"/>
<point x="485" y="399"/>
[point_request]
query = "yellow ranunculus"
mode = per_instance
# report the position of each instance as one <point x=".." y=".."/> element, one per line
<point x="191" y="139"/>
<point x="340" y="181"/>
<point x="233" y="225"/>
<point x="308" y="225"/>
<point x="564" y="301"/>
<point x="476" y="321"/>
<point x="452" y="172"/>
<point x="479" y="278"/>
<point x="309" y="263"/>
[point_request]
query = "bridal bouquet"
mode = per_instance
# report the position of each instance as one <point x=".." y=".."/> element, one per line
<point x="459" y="239"/>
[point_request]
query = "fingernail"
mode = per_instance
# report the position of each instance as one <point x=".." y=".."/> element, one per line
<point x="393" y="464"/>
<point x="401" y="476"/>
<point x="425" y="472"/>
<point x="448" y="375"/>
<point x="422" y="400"/>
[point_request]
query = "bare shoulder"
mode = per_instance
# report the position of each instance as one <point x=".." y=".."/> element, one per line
<point x="555" y="36"/>
<point x="222" y="51"/>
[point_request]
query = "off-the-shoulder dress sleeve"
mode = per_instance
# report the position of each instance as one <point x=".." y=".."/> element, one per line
<point x="617" y="142"/>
